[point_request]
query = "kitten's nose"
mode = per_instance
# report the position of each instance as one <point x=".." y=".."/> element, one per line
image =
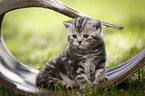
<point x="79" y="42"/>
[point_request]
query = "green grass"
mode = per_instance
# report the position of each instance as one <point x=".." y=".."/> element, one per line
<point x="37" y="35"/>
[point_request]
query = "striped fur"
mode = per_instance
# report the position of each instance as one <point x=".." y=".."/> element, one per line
<point x="80" y="24"/>
<point x="82" y="62"/>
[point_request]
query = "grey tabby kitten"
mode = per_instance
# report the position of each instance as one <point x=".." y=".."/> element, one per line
<point x="82" y="62"/>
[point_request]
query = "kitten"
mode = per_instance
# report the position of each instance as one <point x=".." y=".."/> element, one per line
<point x="82" y="62"/>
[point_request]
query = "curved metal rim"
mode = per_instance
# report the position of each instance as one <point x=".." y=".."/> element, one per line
<point x="116" y="74"/>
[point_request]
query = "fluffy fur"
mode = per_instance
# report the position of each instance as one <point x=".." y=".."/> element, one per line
<point x="82" y="62"/>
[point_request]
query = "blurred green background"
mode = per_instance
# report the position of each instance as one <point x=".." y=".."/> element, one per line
<point x="37" y="35"/>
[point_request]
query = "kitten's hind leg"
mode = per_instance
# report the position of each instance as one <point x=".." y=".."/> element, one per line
<point x="46" y="78"/>
<point x="100" y="76"/>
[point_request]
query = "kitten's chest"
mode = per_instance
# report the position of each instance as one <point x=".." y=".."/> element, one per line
<point x="88" y="64"/>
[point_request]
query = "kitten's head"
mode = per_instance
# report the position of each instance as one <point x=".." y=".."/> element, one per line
<point x="84" y="32"/>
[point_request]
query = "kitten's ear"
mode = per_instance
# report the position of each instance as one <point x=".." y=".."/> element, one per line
<point x="97" y="25"/>
<point x="67" y="23"/>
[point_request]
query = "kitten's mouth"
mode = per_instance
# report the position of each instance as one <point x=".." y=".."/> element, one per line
<point x="80" y="46"/>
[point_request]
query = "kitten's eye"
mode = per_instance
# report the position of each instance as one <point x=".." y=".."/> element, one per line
<point x="85" y="36"/>
<point x="74" y="36"/>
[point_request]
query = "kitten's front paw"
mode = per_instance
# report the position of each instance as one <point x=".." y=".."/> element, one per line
<point x="86" y="85"/>
<point x="95" y="82"/>
<point x="82" y="87"/>
<point x="100" y="76"/>
<point x="99" y="80"/>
